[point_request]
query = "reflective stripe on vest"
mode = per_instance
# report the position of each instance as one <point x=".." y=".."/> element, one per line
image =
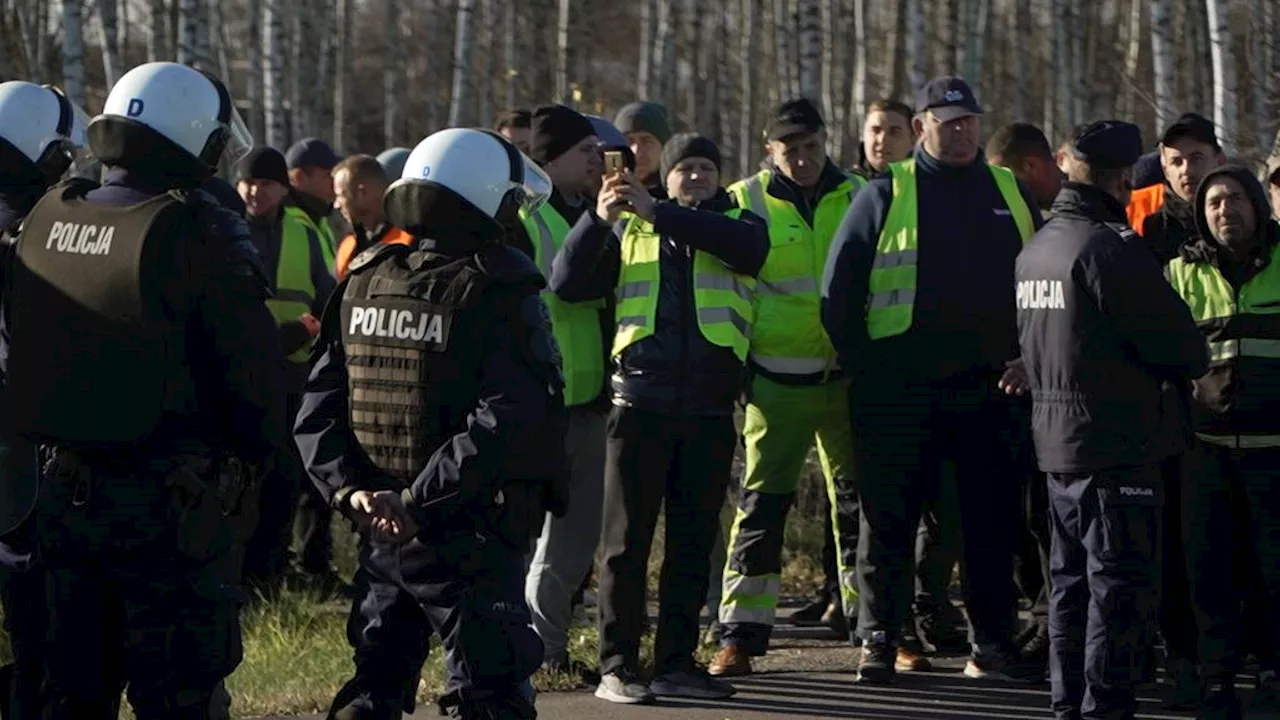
<point x="722" y="298"/>
<point x="788" y="337"/>
<point x="576" y="326"/>
<point x="1243" y="330"/>
<point x="892" y="285"/>
<point x="295" y="293"/>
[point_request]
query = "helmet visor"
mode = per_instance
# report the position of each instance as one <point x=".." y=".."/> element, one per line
<point x="83" y="162"/>
<point x="536" y="185"/>
<point x="239" y="140"/>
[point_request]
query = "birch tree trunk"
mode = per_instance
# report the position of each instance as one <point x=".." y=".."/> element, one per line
<point x="648" y="28"/>
<point x="489" y="10"/>
<point x="511" y="51"/>
<point x="919" y="60"/>
<point x="664" y="52"/>
<point x="1259" y="71"/>
<point x="977" y="41"/>
<point x="1133" y="51"/>
<point x="724" y="95"/>
<point x="1162" y="60"/>
<point x="110" y="41"/>
<point x="28" y="28"/>
<point x="1224" y="75"/>
<point x="810" y="59"/>
<point x="1019" y="40"/>
<point x="73" y="54"/>
<point x="750" y="36"/>
<point x="256" y="73"/>
<point x="897" y="43"/>
<point x="273" y="75"/>
<point x="218" y="42"/>
<point x="786" y="59"/>
<point x="156" y="32"/>
<point x="1062" y="64"/>
<point x="461" y="65"/>
<point x="562" y="52"/>
<point x="858" y="97"/>
<point x="391" y="70"/>
<point x="188" y="52"/>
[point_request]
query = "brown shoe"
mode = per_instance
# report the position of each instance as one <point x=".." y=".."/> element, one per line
<point x="911" y="661"/>
<point x="731" y="661"/>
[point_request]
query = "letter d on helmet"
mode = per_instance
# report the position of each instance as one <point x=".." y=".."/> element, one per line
<point x="172" y="115"/>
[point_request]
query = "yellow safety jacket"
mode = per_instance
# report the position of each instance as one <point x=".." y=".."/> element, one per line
<point x="723" y="299"/>
<point x="788" y="337"/>
<point x="295" y="292"/>
<point x="576" y="326"/>
<point x="893" y="273"/>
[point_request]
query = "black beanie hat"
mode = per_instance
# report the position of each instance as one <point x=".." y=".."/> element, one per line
<point x="555" y="129"/>
<point x="263" y="163"/>
<point x="687" y="145"/>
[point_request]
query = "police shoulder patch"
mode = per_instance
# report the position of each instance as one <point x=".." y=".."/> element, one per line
<point x="371" y="255"/>
<point x="398" y="322"/>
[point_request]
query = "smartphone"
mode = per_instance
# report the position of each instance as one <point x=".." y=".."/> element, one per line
<point x="614" y="162"/>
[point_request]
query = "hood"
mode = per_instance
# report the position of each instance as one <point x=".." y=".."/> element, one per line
<point x="1257" y="196"/>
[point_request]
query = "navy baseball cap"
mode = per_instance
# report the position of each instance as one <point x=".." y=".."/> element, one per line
<point x="1109" y="144"/>
<point x="311" y="152"/>
<point x="1192" y="125"/>
<point x="948" y="98"/>
<point x="795" y="117"/>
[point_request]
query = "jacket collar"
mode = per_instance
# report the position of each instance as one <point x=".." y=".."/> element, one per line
<point x="1088" y="202"/>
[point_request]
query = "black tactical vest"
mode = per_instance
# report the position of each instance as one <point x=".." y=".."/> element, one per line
<point x="96" y="358"/>
<point x="413" y="324"/>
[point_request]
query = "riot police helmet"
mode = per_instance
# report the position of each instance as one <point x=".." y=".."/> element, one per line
<point x="392" y="161"/>
<point x="172" y="120"/>
<point x="42" y="133"/>
<point x="467" y="181"/>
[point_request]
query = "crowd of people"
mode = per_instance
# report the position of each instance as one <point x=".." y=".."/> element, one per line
<point x="506" y="351"/>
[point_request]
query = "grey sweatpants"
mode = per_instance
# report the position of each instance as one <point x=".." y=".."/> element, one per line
<point x="567" y="546"/>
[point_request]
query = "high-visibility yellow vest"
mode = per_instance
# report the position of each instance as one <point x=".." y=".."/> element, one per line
<point x="576" y="326"/>
<point x="721" y="297"/>
<point x="295" y="292"/>
<point x="788" y="337"/>
<point x="892" y="287"/>
<point x="1243" y="325"/>
<point x="324" y="233"/>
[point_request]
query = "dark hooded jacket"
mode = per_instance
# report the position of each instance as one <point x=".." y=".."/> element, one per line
<point x="675" y="371"/>
<point x="1240" y="394"/>
<point x="1170" y="227"/>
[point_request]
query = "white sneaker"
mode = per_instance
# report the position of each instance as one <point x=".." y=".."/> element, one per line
<point x="625" y="688"/>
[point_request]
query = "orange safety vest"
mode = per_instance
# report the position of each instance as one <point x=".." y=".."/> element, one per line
<point x="1144" y="203"/>
<point x="348" y="248"/>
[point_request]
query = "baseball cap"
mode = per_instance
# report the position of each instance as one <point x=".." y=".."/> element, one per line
<point x="311" y="152"/>
<point x="795" y="117"/>
<point x="949" y="98"/>
<point x="1192" y="125"/>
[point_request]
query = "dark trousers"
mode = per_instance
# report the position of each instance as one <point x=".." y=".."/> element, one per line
<point x="22" y="681"/>
<point x="124" y="605"/>
<point x="903" y="432"/>
<point x="1230" y="555"/>
<point x="1105" y="568"/>
<point x="1033" y="557"/>
<point x="652" y="460"/>
<point x="470" y="593"/>
<point x="937" y="548"/>
<point x="267" y="557"/>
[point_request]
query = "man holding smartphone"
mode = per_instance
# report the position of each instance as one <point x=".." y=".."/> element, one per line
<point x="683" y="272"/>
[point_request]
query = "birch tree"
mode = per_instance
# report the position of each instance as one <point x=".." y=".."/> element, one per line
<point x="648" y="28"/>
<point x="273" y="74"/>
<point x="858" y="99"/>
<point x="489" y="10"/>
<point x="156" y="31"/>
<point x="785" y="49"/>
<point x="562" y="52"/>
<point x="916" y="26"/>
<point x="110" y="41"/>
<point x="391" y="70"/>
<point x="810" y="48"/>
<point x="1162" y="60"/>
<point x="1133" y="50"/>
<point x="1224" y="75"/>
<point x="461" y="64"/>
<point x="750" y="35"/>
<point x="73" y="54"/>
<point x="511" y="50"/>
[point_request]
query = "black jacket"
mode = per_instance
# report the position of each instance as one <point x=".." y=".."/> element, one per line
<point x="1102" y="334"/>
<point x="1169" y="228"/>
<point x="962" y="319"/>
<point x="1239" y="394"/>
<point x="676" y="370"/>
